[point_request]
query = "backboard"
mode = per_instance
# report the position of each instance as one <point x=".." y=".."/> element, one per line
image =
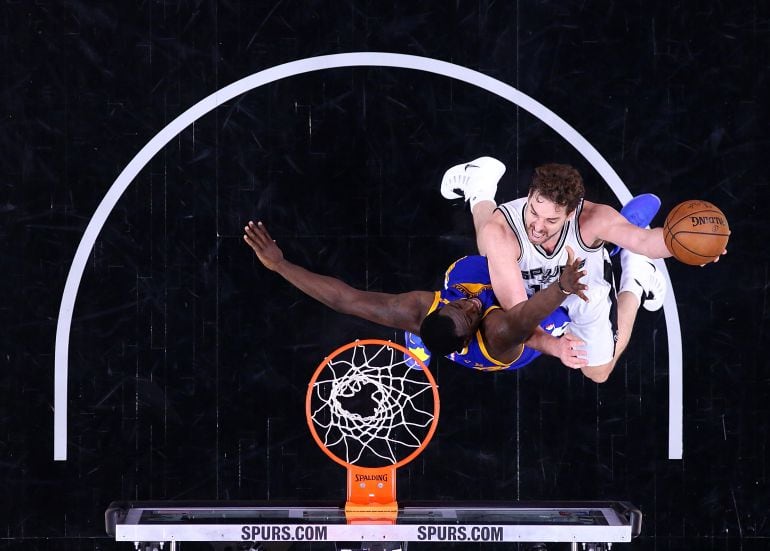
<point x="430" y="522"/>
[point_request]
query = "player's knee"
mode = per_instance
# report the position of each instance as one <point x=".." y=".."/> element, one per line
<point x="598" y="373"/>
<point x="600" y="377"/>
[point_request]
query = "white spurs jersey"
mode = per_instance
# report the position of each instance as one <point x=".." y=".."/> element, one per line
<point x="541" y="269"/>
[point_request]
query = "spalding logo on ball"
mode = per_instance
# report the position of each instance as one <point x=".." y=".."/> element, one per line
<point x="696" y="232"/>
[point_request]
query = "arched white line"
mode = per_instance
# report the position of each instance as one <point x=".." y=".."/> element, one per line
<point x="335" y="61"/>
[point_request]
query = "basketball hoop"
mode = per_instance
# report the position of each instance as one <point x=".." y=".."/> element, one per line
<point x="372" y="413"/>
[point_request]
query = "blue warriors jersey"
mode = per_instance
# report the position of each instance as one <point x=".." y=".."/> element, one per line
<point x="469" y="278"/>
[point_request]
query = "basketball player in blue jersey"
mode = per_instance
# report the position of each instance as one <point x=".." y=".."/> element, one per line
<point x="463" y="320"/>
<point x="469" y="277"/>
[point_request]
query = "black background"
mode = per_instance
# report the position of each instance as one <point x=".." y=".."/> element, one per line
<point x="189" y="361"/>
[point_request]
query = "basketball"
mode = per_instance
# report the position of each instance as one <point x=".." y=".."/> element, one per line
<point x="696" y="232"/>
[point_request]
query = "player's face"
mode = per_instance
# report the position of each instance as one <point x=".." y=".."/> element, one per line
<point x="466" y="314"/>
<point x="543" y="219"/>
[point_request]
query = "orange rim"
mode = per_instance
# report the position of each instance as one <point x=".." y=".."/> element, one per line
<point x="377" y="342"/>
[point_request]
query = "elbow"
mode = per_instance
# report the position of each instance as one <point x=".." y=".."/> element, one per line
<point x="508" y="335"/>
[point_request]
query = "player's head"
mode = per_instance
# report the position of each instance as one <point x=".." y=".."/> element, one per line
<point x="554" y="194"/>
<point x="450" y="328"/>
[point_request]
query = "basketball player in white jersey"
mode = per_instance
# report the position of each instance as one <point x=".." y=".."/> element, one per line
<point x="525" y="241"/>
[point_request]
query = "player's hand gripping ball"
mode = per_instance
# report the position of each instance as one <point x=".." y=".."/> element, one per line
<point x="696" y="232"/>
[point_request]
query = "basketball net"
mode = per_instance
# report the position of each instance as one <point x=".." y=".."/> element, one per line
<point x="372" y="413"/>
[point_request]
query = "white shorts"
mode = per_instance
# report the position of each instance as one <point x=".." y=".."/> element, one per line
<point x="595" y="322"/>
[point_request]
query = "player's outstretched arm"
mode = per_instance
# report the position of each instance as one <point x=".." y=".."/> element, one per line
<point x="611" y="226"/>
<point x="400" y="311"/>
<point x="521" y="321"/>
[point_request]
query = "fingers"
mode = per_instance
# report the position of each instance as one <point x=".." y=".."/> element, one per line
<point x="572" y="261"/>
<point x="262" y="230"/>
<point x="716" y="259"/>
<point x="579" y="289"/>
<point x="575" y="343"/>
<point x="573" y="274"/>
<point x="249" y="237"/>
<point x="580" y="292"/>
<point x="576" y="355"/>
<point x="570" y="256"/>
<point x="576" y="362"/>
<point x="256" y="235"/>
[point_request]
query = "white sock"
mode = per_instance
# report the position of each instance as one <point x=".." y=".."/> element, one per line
<point x="482" y="193"/>
<point x="479" y="198"/>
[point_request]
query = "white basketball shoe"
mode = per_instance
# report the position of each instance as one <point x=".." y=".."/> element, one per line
<point x="474" y="181"/>
<point x="643" y="279"/>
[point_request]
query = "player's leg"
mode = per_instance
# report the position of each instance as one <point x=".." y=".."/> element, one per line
<point x="476" y="182"/>
<point x="627" y="308"/>
<point x="482" y="212"/>
<point x="641" y="284"/>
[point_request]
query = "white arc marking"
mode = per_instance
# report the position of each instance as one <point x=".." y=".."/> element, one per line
<point x="335" y="61"/>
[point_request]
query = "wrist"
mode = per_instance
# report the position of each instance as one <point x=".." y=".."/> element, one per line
<point x="280" y="266"/>
<point x="543" y="342"/>
<point x="561" y="287"/>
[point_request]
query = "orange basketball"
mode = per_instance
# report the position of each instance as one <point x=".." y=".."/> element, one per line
<point x="696" y="232"/>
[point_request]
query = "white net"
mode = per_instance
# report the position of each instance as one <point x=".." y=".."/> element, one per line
<point x="371" y="409"/>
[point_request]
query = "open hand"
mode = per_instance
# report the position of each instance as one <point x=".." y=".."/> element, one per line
<point x="268" y="253"/>
<point x="572" y="351"/>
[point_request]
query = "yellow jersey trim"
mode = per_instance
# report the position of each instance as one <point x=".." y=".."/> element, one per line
<point x="485" y="352"/>
<point x="435" y="303"/>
